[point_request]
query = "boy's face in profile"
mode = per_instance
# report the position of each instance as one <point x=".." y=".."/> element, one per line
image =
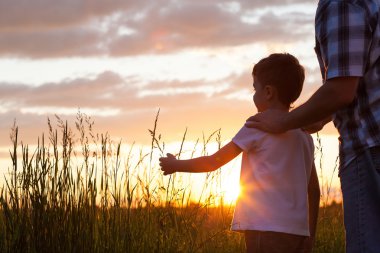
<point x="259" y="96"/>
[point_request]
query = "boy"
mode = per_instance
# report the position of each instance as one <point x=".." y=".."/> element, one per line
<point x="278" y="207"/>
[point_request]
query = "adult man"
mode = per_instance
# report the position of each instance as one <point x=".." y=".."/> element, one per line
<point x="348" y="50"/>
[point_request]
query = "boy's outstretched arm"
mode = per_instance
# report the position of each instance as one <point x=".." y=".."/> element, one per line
<point x="314" y="196"/>
<point x="170" y="164"/>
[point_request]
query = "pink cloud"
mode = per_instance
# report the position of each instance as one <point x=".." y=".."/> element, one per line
<point x="43" y="29"/>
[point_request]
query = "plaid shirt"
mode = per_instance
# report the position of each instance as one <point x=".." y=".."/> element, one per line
<point x="348" y="44"/>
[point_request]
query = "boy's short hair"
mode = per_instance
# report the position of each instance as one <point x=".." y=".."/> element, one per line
<point x="284" y="72"/>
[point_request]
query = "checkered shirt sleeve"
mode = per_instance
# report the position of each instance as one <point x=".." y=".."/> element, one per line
<point x="342" y="32"/>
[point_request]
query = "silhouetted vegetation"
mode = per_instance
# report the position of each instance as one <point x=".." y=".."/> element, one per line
<point x="78" y="191"/>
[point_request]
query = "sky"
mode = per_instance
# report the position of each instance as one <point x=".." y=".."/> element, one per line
<point x="120" y="61"/>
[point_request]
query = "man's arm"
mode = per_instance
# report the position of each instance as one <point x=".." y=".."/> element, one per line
<point x="170" y="164"/>
<point x="335" y="94"/>
<point x="318" y="126"/>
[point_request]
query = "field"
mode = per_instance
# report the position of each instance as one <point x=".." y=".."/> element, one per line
<point x="79" y="191"/>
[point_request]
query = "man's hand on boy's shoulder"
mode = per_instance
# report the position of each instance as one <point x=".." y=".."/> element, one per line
<point x="167" y="164"/>
<point x="271" y="121"/>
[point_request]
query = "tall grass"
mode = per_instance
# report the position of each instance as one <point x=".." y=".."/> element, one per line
<point x="330" y="230"/>
<point x="79" y="191"/>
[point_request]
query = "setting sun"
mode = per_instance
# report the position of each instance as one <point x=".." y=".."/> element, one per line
<point x="231" y="192"/>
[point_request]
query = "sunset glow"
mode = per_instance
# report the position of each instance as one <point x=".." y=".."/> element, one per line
<point x="121" y="61"/>
<point x="231" y="193"/>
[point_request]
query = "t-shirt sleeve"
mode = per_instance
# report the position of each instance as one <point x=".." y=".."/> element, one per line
<point x="247" y="138"/>
<point x="344" y="36"/>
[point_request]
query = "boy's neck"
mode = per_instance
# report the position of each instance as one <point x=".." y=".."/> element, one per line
<point x="278" y="106"/>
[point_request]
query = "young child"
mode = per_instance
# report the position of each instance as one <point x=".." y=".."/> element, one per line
<point x="278" y="206"/>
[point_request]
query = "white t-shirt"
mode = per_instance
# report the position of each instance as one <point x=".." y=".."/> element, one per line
<point x="274" y="179"/>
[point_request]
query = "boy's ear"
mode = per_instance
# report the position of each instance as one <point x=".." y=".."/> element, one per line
<point x="269" y="91"/>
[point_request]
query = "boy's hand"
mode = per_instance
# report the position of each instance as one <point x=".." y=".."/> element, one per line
<point x="167" y="164"/>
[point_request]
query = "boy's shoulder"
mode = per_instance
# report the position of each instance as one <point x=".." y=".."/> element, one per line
<point x="251" y="133"/>
<point x="257" y="133"/>
<point x="248" y="138"/>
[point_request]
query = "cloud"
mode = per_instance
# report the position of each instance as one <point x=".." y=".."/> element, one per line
<point x="61" y="42"/>
<point x="76" y="92"/>
<point x="46" y="29"/>
<point x="114" y="100"/>
<point x="113" y="93"/>
<point x="199" y="25"/>
<point x="23" y="15"/>
<point x="107" y="91"/>
<point x="247" y="4"/>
